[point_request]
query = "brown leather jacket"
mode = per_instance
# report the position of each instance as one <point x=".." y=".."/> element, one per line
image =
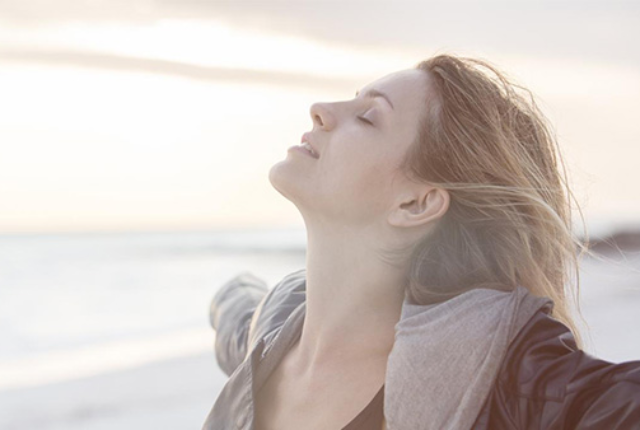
<point x="545" y="381"/>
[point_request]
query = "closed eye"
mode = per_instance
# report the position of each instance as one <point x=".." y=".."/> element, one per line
<point x="361" y="118"/>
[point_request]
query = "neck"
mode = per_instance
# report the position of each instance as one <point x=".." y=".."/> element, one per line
<point x="353" y="300"/>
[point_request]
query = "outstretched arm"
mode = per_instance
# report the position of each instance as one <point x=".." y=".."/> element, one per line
<point x="549" y="383"/>
<point x="230" y="315"/>
<point x="244" y="311"/>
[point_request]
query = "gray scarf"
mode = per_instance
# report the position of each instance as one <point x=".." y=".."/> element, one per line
<point x="446" y="357"/>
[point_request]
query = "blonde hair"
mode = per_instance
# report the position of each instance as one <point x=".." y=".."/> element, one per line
<point x="509" y="216"/>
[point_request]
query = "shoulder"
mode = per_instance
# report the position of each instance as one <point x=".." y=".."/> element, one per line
<point x="546" y="381"/>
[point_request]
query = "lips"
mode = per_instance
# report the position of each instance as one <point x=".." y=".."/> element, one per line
<point x="306" y="137"/>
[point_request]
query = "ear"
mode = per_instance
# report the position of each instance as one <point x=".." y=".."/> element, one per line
<point x="420" y="207"/>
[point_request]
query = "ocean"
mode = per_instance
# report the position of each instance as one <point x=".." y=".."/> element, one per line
<point x="68" y="294"/>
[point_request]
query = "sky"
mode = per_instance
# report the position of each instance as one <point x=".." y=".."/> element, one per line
<point x="167" y="115"/>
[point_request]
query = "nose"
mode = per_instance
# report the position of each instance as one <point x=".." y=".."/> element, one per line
<point x="321" y="115"/>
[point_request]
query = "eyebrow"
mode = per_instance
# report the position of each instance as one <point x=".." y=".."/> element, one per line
<point x="375" y="93"/>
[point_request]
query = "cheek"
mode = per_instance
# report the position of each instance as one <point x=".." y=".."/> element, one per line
<point x="355" y="170"/>
<point x="363" y="182"/>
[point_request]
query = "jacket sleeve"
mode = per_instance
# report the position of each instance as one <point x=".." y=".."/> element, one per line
<point x="552" y="384"/>
<point x="230" y="314"/>
<point x="609" y="396"/>
<point x="244" y="310"/>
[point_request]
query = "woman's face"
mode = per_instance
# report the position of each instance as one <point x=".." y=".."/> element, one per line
<point x="361" y="143"/>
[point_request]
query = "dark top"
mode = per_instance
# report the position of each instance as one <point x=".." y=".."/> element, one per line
<point x="371" y="416"/>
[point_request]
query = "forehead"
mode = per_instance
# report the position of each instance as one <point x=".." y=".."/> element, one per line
<point x="406" y="88"/>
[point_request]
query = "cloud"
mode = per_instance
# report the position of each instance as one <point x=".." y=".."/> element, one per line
<point x="580" y="29"/>
<point x="174" y="68"/>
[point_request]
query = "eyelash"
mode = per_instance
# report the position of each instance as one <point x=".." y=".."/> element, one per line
<point x="365" y="120"/>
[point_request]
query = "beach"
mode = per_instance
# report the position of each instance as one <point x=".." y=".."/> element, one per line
<point x="167" y="394"/>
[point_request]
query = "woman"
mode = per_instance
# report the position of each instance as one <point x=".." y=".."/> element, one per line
<point x="439" y="250"/>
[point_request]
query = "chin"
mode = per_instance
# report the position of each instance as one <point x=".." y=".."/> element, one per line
<point x="282" y="180"/>
<point x="287" y="180"/>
